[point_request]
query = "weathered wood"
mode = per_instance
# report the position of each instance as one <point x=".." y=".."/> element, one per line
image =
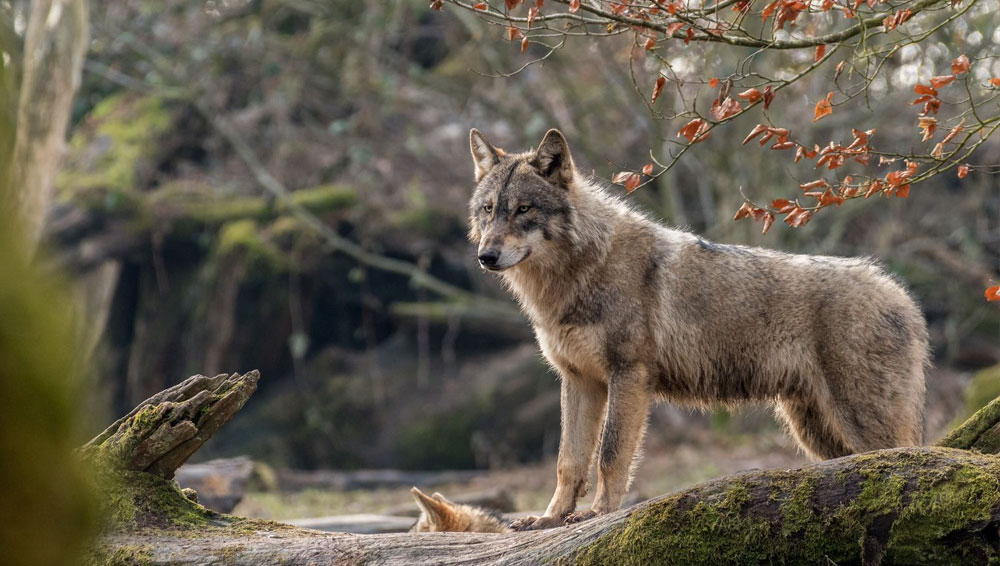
<point x="162" y="432"/>
<point x="361" y="524"/>
<point x="909" y="505"/>
<point x="918" y="505"/>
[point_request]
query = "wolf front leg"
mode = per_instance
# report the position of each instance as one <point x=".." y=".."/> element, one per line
<point x="624" y="424"/>
<point x="582" y="404"/>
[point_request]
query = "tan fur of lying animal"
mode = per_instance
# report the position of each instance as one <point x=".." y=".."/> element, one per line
<point x="438" y="515"/>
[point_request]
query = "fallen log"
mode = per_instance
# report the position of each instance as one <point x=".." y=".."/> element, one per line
<point x="92" y="231"/>
<point x="917" y="505"/>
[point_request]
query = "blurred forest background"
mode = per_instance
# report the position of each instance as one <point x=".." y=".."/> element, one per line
<point x="193" y="114"/>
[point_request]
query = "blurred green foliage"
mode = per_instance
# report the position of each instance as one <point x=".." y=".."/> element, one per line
<point x="46" y="511"/>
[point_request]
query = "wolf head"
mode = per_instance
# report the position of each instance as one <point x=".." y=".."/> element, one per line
<point x="437" y="515"/>
<point x="522" y="202"/>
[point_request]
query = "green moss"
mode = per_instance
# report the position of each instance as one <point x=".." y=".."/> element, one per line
<point x="138" y="499"/>
<point x="722" y="524"/>
<point x="243" y="236"/>
<point x="139" y="555"/>
<point x="120" y="136"/>
<point x="325" y="198"/>
<point x="945" y="504"/>
<point x="47" y="508"/>
<point x="679" y="531"/>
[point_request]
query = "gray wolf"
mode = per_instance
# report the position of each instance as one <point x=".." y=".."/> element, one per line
<point x="437" y="514"/>
<point x="629" y="312"/>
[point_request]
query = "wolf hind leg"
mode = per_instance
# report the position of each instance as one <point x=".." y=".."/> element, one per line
<point x="886" y="414"/>
<point x="815" y="427"/>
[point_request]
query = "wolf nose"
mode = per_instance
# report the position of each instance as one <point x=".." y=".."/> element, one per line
<point x="488" y="258"/>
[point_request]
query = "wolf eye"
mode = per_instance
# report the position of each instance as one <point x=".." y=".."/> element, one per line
<point x="488" y="208"/>
<point x="524" y="208"/>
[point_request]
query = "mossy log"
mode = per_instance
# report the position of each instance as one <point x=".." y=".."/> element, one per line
<point x="101" y="224"/>
<point x="162" y="432"/>
<point x="917" y="505"/>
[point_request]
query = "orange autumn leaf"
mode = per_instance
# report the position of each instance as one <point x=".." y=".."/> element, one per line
<point x="649" y="44"/>
<point x="828" y="198"/>
<point x="798" y="217"/>
<point x="756" y="131"/>
<point x="820" y="51"/>
<point x="632" y="182"/>
<point x="647" y="169"/>
<point x="925" y="90"/>
<point x="750" y="95"/>
<point x="938" y="82"/>
<point x="963" y="170"/>
<point x="480" y="6"/>
<point x="993" y="293"/>
<point x="823" y="108"/>
<point x="695" y="131"/>
<point x="995" y="82"/>
<point x="960" y="65"/>
<point x="532" y="14"/>
<point x="928" y="125"/>
<point x="725" y="109"/>
<point x="524" y="44"/>
<point x="782" y="205"/>
<point x="768" y="96"/>
<point x="658" y="88"/>
<point x="713" y="82"/>
<point x="818" y="183"/>
<point x="768" y="221"/>
<point x="744" y="211"/>
<point x="620" y="177"/>
<point x="513" y="33"/>
<point x="769" y="10"/>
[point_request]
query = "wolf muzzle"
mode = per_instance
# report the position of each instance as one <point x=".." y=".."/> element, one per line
<point x="488" y="258"/>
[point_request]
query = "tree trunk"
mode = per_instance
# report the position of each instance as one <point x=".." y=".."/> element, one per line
<point x="919" y="505"/>
<point x="54" y="50"/>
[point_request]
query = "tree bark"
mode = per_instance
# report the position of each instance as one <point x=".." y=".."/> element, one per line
<point x="54" y="50"/>
<point x="917" y="505"/>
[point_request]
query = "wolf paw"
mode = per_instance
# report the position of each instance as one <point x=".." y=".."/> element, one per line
<point x="580" y="516"/>
<point x="533" y="523"/>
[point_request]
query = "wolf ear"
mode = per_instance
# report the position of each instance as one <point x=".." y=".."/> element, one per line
<point x="552" y="159"/>
<point x="484" y="155"/>
<point x="441" y="498"/>
<point x="438" y="512"/>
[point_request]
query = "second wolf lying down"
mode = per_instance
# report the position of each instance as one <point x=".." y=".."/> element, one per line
<point x="629" y="311"/>
<point x="438" y="515"/>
